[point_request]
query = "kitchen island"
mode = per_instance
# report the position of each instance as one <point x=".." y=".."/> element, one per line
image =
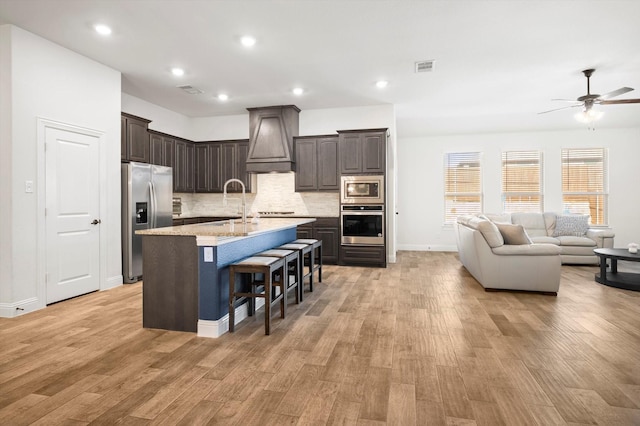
<point x="186" y="270"/>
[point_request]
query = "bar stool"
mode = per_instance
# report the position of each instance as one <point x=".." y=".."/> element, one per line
<point x="258" y="265"/>
<point x="306" y="252"/>
<point x="292" y="264"/>
<point x="317" y="248"/>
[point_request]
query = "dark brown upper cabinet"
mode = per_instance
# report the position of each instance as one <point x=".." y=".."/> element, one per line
<point x="162" y="148"/>
<point x="217" y="162"/>
<point x="317" y="163"/>
<point x="134" y="140"/>
<point x="184" y="171"/>
<point x="362" y="151"/>
<point x="271" y="133"/>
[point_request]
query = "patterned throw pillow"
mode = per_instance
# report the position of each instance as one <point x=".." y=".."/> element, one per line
<point x="575" y="225"/>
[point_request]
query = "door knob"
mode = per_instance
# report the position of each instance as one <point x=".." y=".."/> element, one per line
<point x="96" y="221"/>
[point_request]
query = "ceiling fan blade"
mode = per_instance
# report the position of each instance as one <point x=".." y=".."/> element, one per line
<point x="620" y="101"/>
<point x="558" y="109"/>
<point x="618" y="92"/>
<point x="565" y="100"/>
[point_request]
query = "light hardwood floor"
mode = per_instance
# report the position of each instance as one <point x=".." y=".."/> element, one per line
<point x="419" y="342"/>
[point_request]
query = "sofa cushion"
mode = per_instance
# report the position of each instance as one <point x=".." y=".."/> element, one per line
<point x="498" y="218"/>
<point x="513" y="234"/>
<point x="577" y="250"/>
<point x="527" y="250"/>
<point x="491" y="233"/>
<point x="545" y="240"/>
<point x="576" y="241"/>
<point x="533" y="222"/>
<point x="571" y="225"/>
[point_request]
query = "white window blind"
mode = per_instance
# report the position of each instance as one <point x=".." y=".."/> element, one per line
<point x="522" y="181"/>
<point x="584" y="182"/>
<point x="462" y="184"/>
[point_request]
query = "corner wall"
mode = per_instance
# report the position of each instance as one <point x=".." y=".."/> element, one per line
<point x="45" y="80"/>
<point x="421" y="194"/>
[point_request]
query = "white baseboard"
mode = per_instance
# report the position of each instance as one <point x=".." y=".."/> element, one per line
<point x="426" y="247"/>
<point x="112" y="282"/>
<point x="11" y="310"/>
<point x="216" y="328"/>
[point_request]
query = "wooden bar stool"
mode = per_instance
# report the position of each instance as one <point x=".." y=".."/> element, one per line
<point x="257" y="265"/>
<point x="306" y="252"/>
<point x="317" y="248"/>
<point x="292" y="266"/>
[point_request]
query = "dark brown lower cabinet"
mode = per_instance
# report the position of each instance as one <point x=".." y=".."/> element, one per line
<point x="326" y="229"/>
<point x="363" y="256"/>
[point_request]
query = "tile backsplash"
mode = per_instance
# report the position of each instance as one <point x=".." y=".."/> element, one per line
<point x="274" y="192"/>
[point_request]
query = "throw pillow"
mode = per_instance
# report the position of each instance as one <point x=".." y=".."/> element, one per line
<point x="513" y="234"/>
<point x="491" y="233"/>
<point x="575" y="225"/>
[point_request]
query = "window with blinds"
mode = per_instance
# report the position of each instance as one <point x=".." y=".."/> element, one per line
<point x="462" y="184"/>
<point x="522" y="181"/>
<point x="584" y="183"/>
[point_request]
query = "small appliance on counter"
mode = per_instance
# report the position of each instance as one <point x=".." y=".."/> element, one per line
<point x="177" y="206"/>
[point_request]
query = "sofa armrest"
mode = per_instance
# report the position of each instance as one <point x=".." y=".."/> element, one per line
<point x="602" y="236"/>
<point x="527" y="250"/>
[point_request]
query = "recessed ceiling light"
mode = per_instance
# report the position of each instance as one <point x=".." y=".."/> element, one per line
<point x="102" y="29"/>
<point x="177" y="72"/>
<point x="223" y="97"/>
<point x="248" y="41"/>
<point x="298" y="91"/>
<point x="381" y="84"/>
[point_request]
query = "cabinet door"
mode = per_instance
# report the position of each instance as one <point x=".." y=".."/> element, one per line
<point x="328" y="174"/>
<point x="202" y="168"/>
<point x="157" y="149"/>
<point x="306" y="165"/>
<point x="215" y="183"/>
<point x="190" y="168"/>
<point x="124" y="148"/>
<point x="330" y="237"/>
<point x="304" y="231"/>
<point x="350" y="153"/>
<point x="228" y="167"/>
<point x="168" y="152"/>
<point x="241" y="162"/>
<point x="137" y="140"/>
<point x="179" y="168"/>
<point x="373" y="152"/>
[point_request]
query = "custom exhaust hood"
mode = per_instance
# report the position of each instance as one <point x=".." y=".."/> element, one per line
<point x="271" y="133"/>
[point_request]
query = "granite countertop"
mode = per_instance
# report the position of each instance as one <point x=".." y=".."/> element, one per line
<point x="225" y="229"/>
<point x="288" y="216"/>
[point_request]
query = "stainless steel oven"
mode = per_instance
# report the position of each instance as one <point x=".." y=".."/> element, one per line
<point x="362" y="224"/>
<point x="364" y="189"/>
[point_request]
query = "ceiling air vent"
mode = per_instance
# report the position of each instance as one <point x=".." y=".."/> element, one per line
<point x="191" y="90"/>
<point x="425" y="66"/>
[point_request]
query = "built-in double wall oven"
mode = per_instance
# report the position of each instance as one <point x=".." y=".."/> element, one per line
<point x="362" y="210"/>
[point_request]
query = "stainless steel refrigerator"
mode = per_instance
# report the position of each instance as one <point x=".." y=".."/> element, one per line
<point x="147" y="192"/>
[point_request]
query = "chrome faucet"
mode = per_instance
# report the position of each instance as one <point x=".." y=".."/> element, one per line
<point x="244" y="198"/>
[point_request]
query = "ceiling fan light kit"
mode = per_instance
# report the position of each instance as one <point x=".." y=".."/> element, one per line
<point x="588" y="115"/>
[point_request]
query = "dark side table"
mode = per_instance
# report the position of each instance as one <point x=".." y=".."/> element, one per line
<point x="613" y="278"/>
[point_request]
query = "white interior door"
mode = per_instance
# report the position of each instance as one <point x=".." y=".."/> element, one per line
<point x="72" y="213"/>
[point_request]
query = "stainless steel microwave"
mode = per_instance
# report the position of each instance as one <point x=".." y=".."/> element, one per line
<point x="363" y="189"/>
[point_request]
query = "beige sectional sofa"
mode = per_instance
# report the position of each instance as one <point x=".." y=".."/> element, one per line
<point x="500" y="266"/>
<point x="524" y="251"/>
<point x="572" y="233"/>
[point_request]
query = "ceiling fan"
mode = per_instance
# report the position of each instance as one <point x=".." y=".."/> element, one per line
<point x="589" y="100"/>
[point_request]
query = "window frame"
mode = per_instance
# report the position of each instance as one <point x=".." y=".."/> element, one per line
<point x="471" y="157"/>
<point x="604" y="159"/>
<point x="522" y="156"/>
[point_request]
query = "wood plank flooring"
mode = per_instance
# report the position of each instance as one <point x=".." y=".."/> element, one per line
<point x="417" y="343"/>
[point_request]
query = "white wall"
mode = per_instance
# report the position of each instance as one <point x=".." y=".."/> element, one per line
<point x="162" y="119"/>
<point x="420" y="179"/>
<point x="44" y="80"/>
